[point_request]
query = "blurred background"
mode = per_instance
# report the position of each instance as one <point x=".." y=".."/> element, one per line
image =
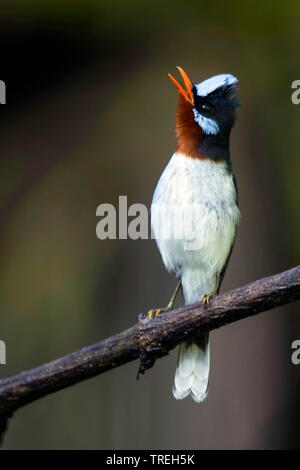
<point x="90" y="116"/>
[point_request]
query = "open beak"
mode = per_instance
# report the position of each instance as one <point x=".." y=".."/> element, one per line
<point x="188" y="94"/>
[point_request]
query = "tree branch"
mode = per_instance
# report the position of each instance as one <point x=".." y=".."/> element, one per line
<point x="147" y="340"/>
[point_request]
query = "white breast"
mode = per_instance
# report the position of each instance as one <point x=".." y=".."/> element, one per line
<point x="194" y="217"/>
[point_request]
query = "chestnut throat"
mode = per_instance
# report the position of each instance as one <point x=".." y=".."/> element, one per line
<point x="193" y="143"/>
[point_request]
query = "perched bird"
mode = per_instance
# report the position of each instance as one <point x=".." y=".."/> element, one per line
<point x="198" y="190"/>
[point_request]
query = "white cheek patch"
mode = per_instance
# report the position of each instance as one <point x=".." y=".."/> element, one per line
<point x="208" y="125"/>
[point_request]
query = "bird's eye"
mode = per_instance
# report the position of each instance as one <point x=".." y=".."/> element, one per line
<point x="205" y="108"/>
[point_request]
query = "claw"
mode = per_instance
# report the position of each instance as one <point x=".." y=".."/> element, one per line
<point x="205" y="299"/>
<point x="150" y="314"/>
<point x="154" y="313"/>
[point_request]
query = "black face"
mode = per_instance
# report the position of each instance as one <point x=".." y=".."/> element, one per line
<point x="219" y="105"/>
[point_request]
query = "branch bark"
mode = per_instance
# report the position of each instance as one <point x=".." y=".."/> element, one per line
<point x="147" y="340"/>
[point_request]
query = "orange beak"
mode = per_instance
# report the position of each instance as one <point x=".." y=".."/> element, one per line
<point x="188" y="95"/>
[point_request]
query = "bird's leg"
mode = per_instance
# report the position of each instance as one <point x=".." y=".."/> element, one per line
<point x="173" y="298"/>
<point x="205" y="299"/>
<point x="157" y="311"/>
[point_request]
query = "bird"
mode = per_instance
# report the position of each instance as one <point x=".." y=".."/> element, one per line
<point x="195" y="214"/>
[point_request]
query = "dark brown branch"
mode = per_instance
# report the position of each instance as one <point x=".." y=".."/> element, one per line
<point x="147" y="341"/>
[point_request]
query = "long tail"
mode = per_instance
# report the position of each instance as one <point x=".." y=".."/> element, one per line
<point x="192" y="372"/>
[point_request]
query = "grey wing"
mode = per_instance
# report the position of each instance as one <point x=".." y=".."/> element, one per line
<point x="222" y="273"/>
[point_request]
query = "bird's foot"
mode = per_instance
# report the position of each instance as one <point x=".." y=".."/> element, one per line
<point x="205" y="299"/>
<point x="154" y="312"/>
